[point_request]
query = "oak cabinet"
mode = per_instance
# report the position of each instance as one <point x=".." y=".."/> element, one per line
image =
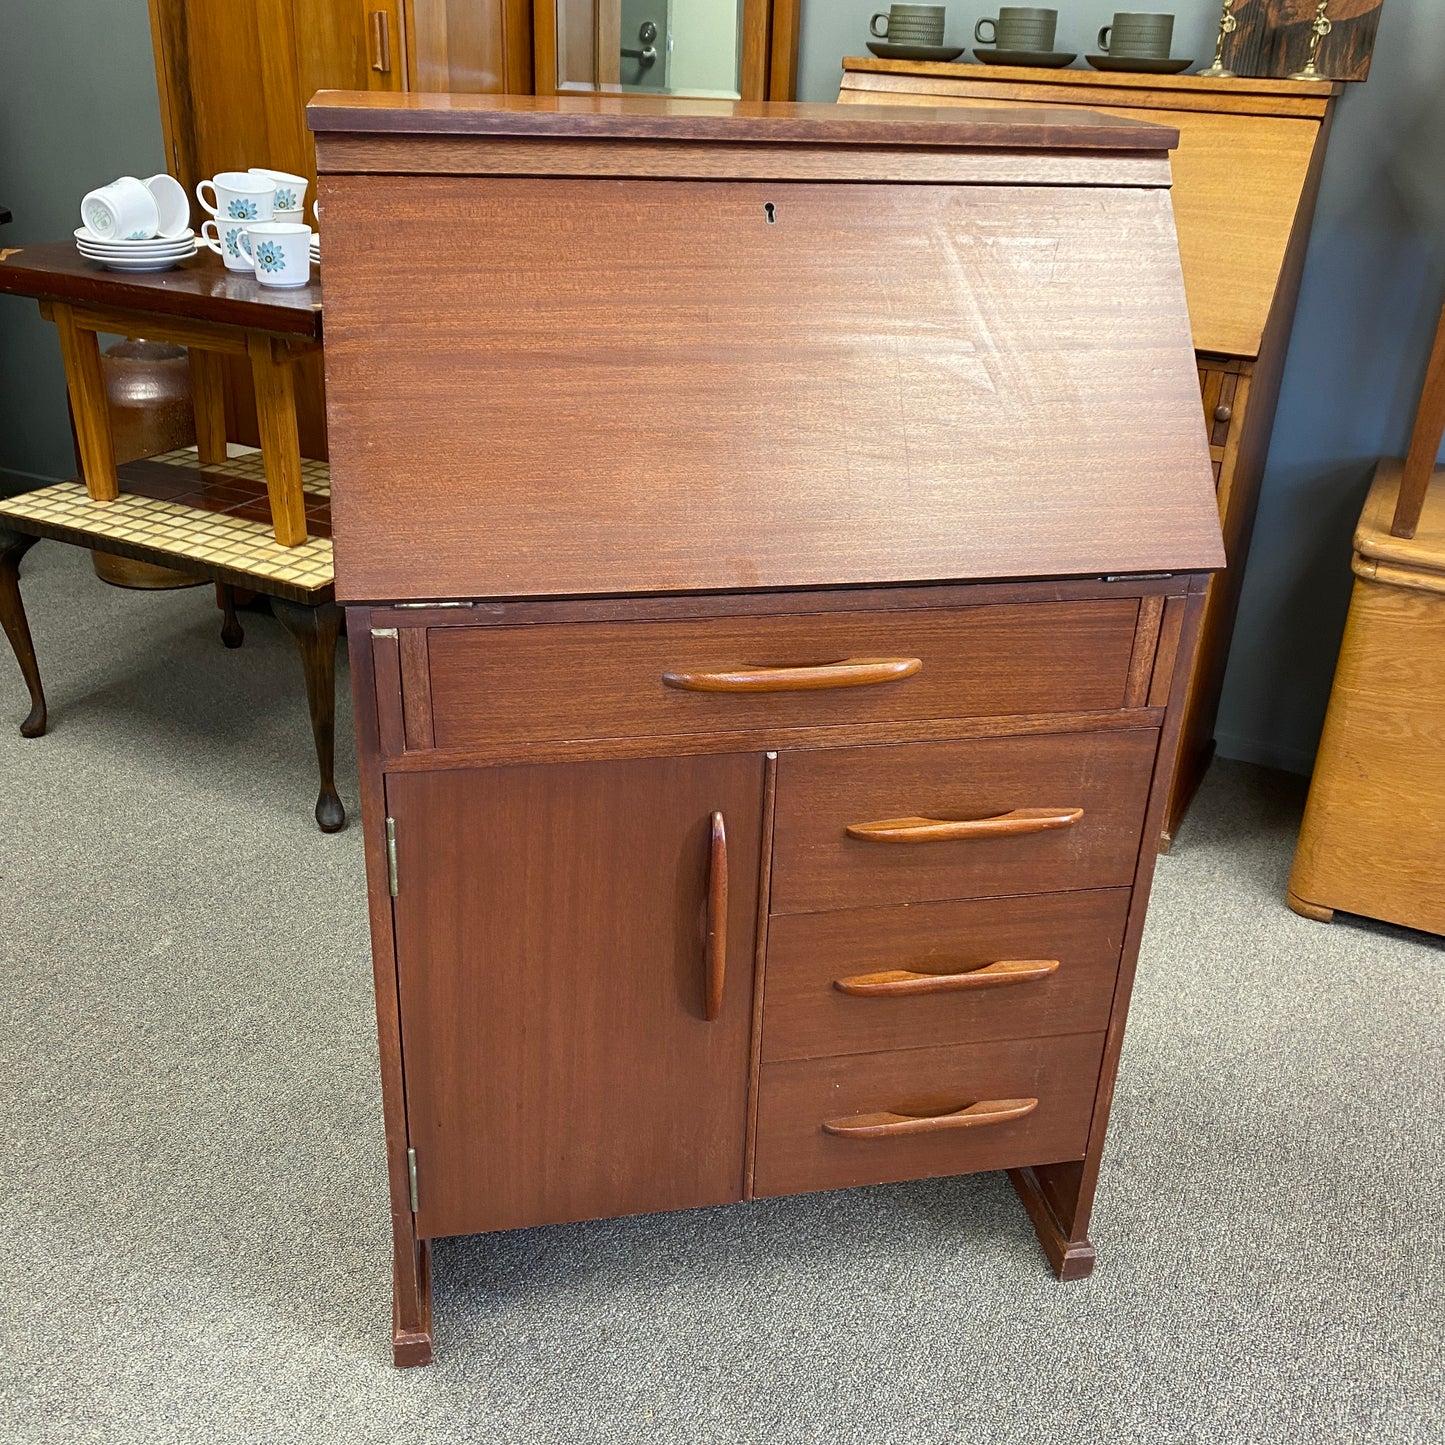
<point x="773" y="567"/>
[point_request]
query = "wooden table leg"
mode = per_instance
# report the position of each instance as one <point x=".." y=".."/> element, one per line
<point x="275" y="385"/>
<point x="208" y="402"/>
<point x="315" y="630"/>
<point x="13" y="546"/>
<point x="85" y="381"/>
<point x="232" y="633"/>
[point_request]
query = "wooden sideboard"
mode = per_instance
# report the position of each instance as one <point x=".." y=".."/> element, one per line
<point x="774" y="547"/>
<point x="1246" y="173"/>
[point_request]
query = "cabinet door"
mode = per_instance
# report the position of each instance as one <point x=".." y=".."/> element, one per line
<point x="552" y="931"/>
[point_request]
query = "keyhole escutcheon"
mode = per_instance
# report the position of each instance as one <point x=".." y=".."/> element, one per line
<point x="772" y="213"/>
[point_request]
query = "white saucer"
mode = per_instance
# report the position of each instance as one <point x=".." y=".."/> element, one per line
<point x="86" y="237"/>
<point x="113" y="262"/>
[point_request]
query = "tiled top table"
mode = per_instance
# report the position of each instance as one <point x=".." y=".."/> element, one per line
<point x="245" y="518"/>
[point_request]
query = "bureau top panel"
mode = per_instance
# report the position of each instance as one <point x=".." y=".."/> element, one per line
<point x="727" y="122"/>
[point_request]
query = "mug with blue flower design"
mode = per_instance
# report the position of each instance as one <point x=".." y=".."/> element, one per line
<point x="238" y="196"/>
<point x="290" y="193"/>
<point x="224" y="238"/>
<point x="280" y="252"/>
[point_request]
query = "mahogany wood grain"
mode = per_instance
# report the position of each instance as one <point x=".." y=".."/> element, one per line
<point x="1016" y="823"/>
<point x="799" y="739"/>
<point x="951" y="465"/>
<point x="694" y="160"/>
<point x="1069" y="1188"/>
<point x="411" y="1272"/>
<point x="817" y="865"/>
<point x="610" y="679"/>
<point x="887" y="1125"/>
<point x="678" y="118"/>
<point x="796" y="1152"/>
<point x="1141" y="660"/>
<point x="810" y="955"/>
<point x="416" y="688"/>
<point x="559" y="1062"/>
<point x="386" y="673"/>
<point x="200" y="289"/>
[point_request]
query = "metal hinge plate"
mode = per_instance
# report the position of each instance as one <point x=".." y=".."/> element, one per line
<point x="411" y="1175"/>
<point x="411" y="606"/>
<point x="391" y="854"/>
<point x="383" y="632"/>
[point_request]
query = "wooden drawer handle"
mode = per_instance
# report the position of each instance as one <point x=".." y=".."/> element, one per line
<point x="943" y="830"/>
<point x="901" y="981"/>
<point x="717" y="917"/>
<point x="852" y="672"/>
<point x="892" y="1126"/>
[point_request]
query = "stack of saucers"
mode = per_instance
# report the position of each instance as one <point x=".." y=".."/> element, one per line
<point x="159" y="253"/>
<point x="316" y="248"/>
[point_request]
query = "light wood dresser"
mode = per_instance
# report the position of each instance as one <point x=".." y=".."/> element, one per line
<point x="774" y="541"/>
<point x="1246" y="173"/>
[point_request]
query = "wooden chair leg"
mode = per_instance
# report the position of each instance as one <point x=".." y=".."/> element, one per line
<point x="13" y="546"/>
<point x="232" y="633"/>
<point x="316" y="630"/>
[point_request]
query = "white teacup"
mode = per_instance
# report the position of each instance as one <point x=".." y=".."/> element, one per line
<point x="290" y="194"/>
<point x="238" y="196"/>
<point x="226" y="243"/>
<point x="173" y="205"/>
<point x="280" y="251"/>
<point x="125" y="210"/>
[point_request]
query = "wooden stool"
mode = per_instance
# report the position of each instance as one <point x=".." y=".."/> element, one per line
<point x="1373" y="837"/>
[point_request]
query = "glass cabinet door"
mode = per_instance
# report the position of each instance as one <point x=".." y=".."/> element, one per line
<point x="667" y="47"/>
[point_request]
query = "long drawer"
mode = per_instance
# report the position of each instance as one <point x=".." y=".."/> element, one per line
<point x="874" y="1118"/>
<point x="918" y="821"/>
<point x="868" y="979"/>
<point x="645" y="679"/>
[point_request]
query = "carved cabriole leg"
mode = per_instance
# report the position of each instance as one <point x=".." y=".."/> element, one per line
<point x="13" y="546"/>
<point x="232" y="633"/>
<point x="315" y="630"/>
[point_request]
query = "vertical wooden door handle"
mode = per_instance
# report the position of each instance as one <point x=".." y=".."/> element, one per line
<point x="943" y="830"/>
<point x="717" y="917"/>
<point x="891" y="1126"/>
<point x="381" y="42"/>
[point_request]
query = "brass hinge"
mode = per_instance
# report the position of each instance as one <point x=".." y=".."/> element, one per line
<point x="383" y="632"/>
<point x="411" y="1175"/>
<point x="391" y="854"/>
<point x="413" y="605"/>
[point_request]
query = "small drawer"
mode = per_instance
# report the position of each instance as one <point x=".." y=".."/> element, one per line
<point x="874" y="1118"/>
<point x="869" y="979"/>
<point x="651" y="679"/>
<point x="858" y="827"/>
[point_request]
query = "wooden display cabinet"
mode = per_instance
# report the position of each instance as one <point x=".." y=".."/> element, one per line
<point x="773" y="566"/>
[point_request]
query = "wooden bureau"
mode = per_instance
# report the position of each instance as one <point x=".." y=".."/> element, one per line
<point x="774" y="541"/>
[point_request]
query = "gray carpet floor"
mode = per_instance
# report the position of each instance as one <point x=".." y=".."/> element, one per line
<point x="193" y="1196"/>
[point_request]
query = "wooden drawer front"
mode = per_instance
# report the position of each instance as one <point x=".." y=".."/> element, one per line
<point x="606" y="679"/>
<point x="798" y="1097"/>
<point x="828" y="989"/>
<point x="818" y="866"/>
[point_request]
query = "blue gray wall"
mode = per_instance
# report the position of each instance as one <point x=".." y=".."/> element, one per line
<point x="78" y="107"/>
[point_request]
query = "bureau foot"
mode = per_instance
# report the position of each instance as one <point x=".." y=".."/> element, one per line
<point x="411" y="1305"/>
<point x="13" y="546"/>
<point x="315" y="630"/>
<point x="1068" y="1258"/>
<point x="1316" y="911"/>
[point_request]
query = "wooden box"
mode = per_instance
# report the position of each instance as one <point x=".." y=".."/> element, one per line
<point x="775" y="539"/>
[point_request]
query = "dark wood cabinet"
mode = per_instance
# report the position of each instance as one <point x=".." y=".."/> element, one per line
<point x="759" y="796"/>
<point x="553" y="958"/>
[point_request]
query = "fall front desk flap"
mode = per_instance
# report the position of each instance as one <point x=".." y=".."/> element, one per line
<point x="597" y="345"/>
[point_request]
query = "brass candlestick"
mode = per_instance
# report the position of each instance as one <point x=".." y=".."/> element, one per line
<point x="1321" y="27"/>
<point x="1228" y="24"/>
